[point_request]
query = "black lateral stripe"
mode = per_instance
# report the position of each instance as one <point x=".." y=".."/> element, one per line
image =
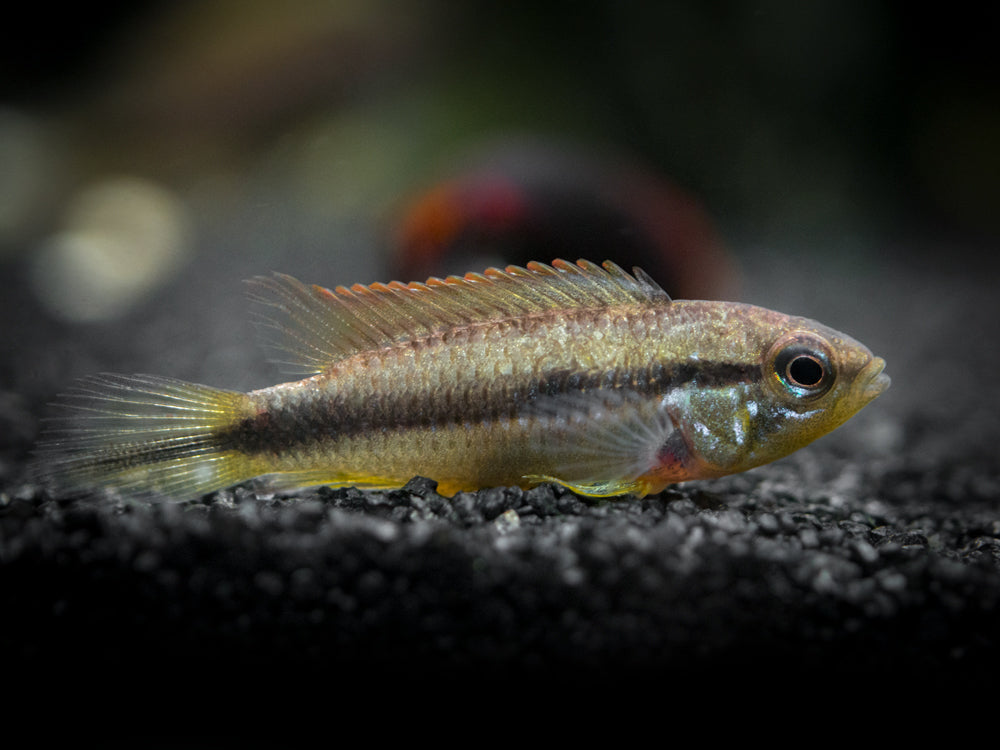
<point x="134" y="455"/>
<point x="708" y="374"/>
<point x="299" y="423"/>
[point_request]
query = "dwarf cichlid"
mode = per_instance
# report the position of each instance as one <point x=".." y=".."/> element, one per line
<point x="570" y="373"/>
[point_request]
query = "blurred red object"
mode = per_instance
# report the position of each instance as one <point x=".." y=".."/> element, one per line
<point x="532" y="202"/>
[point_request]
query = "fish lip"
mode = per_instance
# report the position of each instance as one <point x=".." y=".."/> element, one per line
<point x="873" y="379"/>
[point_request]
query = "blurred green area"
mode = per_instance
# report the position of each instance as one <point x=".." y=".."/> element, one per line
<point x="137" y="139"/>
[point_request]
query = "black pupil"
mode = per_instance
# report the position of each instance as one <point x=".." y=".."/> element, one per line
<point x="805" y="371"/>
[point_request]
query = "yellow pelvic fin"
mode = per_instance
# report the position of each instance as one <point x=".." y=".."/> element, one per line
<point x="610" y="488"/>
<point x="315" y="327"/>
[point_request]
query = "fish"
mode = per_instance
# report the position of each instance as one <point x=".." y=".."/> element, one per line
<point x="581" y="375"/>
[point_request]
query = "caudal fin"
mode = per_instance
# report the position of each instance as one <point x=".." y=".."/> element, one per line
<point x="144" y="435"/>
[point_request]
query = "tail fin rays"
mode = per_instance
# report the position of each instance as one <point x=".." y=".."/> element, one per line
<point x="144" y="435"/>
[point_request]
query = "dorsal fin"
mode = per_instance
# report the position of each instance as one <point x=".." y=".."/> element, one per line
<point x="317" y="326"/>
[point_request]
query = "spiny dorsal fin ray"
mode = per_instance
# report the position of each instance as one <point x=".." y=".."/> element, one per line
<point x="316" y="327"/>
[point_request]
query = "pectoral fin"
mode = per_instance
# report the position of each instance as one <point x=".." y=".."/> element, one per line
<point x="604" y="442"/>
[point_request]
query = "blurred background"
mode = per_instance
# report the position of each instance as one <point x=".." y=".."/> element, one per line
<point x="154" y="154"/>
<point x="838" y="159"/>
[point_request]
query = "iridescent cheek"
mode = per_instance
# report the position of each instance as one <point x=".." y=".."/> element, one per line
<point x="724" y="425"/>
<point x="779" y="430"/>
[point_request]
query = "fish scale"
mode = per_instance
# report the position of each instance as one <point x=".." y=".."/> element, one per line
<point x="571" y="373"/>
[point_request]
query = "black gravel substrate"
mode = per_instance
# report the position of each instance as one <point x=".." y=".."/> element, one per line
<point x="873" y="553"/>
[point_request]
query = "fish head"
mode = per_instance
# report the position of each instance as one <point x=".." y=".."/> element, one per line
<point x="801" y="380"/>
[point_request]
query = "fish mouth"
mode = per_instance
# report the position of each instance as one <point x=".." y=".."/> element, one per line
<point x="873" y="380"/>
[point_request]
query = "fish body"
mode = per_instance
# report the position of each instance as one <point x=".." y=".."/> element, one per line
<point x="572" y="373"/>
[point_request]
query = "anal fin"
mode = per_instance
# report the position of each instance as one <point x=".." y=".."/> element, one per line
<point x="288" y="481"/>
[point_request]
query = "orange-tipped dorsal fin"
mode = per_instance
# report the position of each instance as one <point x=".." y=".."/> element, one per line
<point x="315" y="327"/>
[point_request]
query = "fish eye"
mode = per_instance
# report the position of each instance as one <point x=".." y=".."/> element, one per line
<point x="804" y="370"/>
<point x="803" y="367"/>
